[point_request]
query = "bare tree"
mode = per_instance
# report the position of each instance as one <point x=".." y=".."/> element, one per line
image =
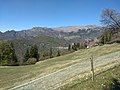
<point x="110" y="18"/>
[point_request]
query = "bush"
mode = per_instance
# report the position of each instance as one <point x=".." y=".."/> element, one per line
<point x="31" y="61"/>
<point x="4" y="62"/>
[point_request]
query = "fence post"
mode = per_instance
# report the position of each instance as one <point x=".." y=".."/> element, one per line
<point x="92" y="68"/>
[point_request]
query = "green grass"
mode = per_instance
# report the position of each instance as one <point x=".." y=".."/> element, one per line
<point x="101" y="81"/>
<point x="14" y="75"/>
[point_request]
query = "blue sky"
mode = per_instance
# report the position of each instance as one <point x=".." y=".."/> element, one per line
<point x="24" y="14"/>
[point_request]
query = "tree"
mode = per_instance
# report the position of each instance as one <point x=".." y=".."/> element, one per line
<point x="74" y="47"/>
<point x="27" y="55"/>
<point x="0" y="57"/>
<point x="105" y="37"/>
<point x="82" y="45"/>
<point x="110" y="18"/>
<point x="102" y="40"/>
<point x="34" y="52"/>
<point x="8" y="56"/>
<point x="13" y="55"/>
<point x="69" y="47"/>
<point x="78" y="45"/>
<point x="51" y="53"/>
<point x="58" y="53"/>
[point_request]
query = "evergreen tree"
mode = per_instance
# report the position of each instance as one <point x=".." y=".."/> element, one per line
<point x="106" y="37"/>
<point x="34" y="52"/>
<point x="69" y="47"/>
<point x="74" y="47"/>
<point x="0" y="58"/>
<point x="58" y="53"/>
<point x="8" y="55"/>
<point x="51" y="53"/>
<point x="27" y="55"/>
<point x="13" y="56"/>
<point x="102" y="40"/>
<point x="78" y="45"/>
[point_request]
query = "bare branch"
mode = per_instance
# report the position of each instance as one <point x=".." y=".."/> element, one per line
<point x="110" y="17"/>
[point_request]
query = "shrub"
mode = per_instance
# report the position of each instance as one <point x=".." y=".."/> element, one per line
<point x="31" y="61"/>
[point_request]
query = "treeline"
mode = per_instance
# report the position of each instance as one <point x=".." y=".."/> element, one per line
<point x="110" y="36"/>
<point x="106" y="37"/>
<point x="51" y="53"/>
<point x="32" y="54"/>
<point x="76" y="46"/>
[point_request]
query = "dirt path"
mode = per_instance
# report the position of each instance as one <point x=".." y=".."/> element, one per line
<point x="57" y="79"/>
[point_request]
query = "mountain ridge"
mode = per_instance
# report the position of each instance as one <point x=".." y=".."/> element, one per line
<point x="59" y="32"/>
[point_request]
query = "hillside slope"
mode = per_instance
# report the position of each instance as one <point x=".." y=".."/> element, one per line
<point x="13" y="76"/>
<point x="103" y="81"/>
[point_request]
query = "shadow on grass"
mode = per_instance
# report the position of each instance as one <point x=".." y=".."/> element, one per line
<point x="114" y="85"/>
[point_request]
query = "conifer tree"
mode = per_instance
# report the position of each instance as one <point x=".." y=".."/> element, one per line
<point x="34" y="52"/>
<point x="13" y="56"/>
<point x="69" y="47"/>
<point x="0" y="57"/>
<point x="51" y="53"/>
<point x="78" y="45"/>
<point x="27" y="55"/>
<point x="8" y="56"/>
<point x="58" y="53"/>
<point x="74" y="47"/>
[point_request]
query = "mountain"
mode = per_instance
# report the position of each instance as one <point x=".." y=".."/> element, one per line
<point x="81" y="32"/>
<point x="60" y="36"/>
<point x="69" y="32"/>
<point x="67" y="28"/>
<point x="35" y="31"/>
<point x="46" y="38"/>
<point x="76" y="28"/>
